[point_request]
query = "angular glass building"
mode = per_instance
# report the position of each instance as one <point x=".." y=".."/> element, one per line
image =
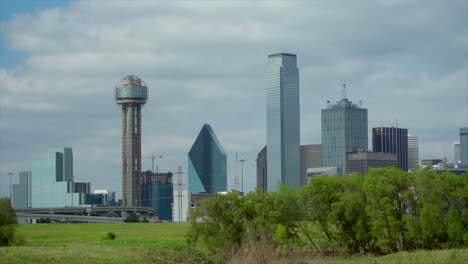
<point x="344" y="130"/>
<point x="392" y="140"/>
<point x="283" y="121"/>
<point x="207" y="163"/>
<point x="262" y="169"/>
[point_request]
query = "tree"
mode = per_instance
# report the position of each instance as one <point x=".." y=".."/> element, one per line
<point x="8" y="235"/>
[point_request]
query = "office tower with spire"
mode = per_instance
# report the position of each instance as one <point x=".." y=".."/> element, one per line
<point x="131" y="94"/>
<point x="283" y="127"/>
<point x="344" y="130"/>
<point x="413" y="152"/>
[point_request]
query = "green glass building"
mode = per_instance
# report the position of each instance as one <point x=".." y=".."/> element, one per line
<point x="207" y="163"/>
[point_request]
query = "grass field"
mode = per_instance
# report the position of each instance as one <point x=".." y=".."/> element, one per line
<point x="156" y="243"/>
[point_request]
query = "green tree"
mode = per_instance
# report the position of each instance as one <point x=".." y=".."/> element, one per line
<point x="8" y="234"/>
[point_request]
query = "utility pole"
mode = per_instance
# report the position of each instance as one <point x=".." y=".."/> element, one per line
<point x="179" y="193"/>
<point x="242" y="173"/>
<point x="10" y="173"/>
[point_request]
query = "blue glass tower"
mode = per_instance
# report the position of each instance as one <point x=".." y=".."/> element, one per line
<point x="344" y="130"/>
<point x="283" y="127"/>
<point x="207" y="163"/>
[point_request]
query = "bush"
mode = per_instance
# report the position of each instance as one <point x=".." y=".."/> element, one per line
<point x="132" y="218"/>
<point x="109" y="236"/>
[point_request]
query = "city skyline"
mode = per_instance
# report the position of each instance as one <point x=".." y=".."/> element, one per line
<point x="59" y="63"/>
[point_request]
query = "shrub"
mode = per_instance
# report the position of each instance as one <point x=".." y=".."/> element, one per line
<point x="109" y="236"/>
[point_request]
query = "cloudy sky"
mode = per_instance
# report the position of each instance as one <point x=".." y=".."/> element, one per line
<point x="204" y="62"/>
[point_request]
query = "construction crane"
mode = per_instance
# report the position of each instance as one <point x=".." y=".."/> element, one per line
<point x="152" y="157"/>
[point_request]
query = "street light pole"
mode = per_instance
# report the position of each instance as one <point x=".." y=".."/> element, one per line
<point x="10" y="173"/>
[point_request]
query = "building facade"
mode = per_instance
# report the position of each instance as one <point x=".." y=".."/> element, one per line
<point x="158" y="193"/>
<point x="262" y="169"/>
<point x="312" y="172"/>
<point x="283" y="121"/>
<point x="344" y="130"/>
<point x="361" y="161"/>
<point x="456" y="150"/>
<point x="207" y="163"/>
<point x="52" y="181"/>
<point x="22" y="191"/>
<point x="392" y="140"/>
<point x="131" y="94"/>
<point x="413" y="152"/>
<point x="311" y="157"/>
<point x="464" y="145"/>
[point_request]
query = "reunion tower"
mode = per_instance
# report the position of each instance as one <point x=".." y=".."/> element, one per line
<point x="131" y="94"/>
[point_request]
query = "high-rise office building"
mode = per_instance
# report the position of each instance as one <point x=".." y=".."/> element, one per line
<point x="344" y="130"/>
<point x="413" y="152"/>
<point x="52" y="181"/>
<point x="392" y="140"/>
<point x="262" y="169"/>
<point x="157" y="193"/>
<point x="311" y="157"/>
<point x="131" y="94"/>
<point x="362" y="161"/>
<point x="464" y="145"/>
<point x="283" y="121"/>
<point x="456" y="150"/>
<point x="207" y="163"/>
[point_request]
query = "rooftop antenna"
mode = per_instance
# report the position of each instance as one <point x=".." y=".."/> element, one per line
<point x="343" y="92"/>
<point x="360" y="103"/>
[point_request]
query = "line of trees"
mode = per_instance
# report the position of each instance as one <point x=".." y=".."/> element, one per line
<point x="386" y="211"/>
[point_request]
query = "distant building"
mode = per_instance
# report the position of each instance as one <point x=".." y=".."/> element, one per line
<point x="207" y="163"/>
<point x="262" y="169"/>
<point x="283" y="121"/>
<point x="22" y="191"/>
<point x="157" y="192"/>
<point x="52" y="181"/>
<point x="464" y="145"/>
<point x="312" y="172"/>
<point x="413" y="152"/>
<point x="392" y="140"/>
<point x="455" y="168"/>
<point x="344" y="130"/>
<point x="456" y="149"/>
<point x="362" y="161"/>
<point x="430" y="162"/>
<point x="311" y="157"/>
<point x="108" y="197"/>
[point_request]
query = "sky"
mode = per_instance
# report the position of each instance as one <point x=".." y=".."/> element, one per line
<point x="204" y="62"/>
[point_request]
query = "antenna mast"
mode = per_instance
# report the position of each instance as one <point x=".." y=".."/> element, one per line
<point x="343" y="92"/>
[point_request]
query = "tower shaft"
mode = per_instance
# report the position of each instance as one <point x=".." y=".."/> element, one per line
<point x="131" y="154"/>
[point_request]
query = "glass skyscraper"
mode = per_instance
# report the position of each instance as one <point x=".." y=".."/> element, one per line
<point x="207" y="163"/>
<point x="464" y="145"/>
<point x="344" y="130"/>
<point x="52" y="180"/>
<point x="283" y="127"/>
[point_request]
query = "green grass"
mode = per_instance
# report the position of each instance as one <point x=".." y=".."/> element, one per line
<point x="157" y="243"/>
